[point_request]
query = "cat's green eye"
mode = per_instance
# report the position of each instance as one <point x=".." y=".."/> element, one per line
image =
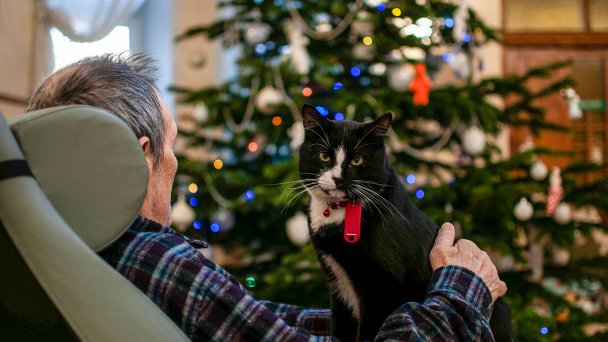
<point x="324" y="157"/>
<point x="357" y="161"/>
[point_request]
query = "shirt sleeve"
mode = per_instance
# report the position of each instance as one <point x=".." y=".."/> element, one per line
<point x="315" y="321"/>
<point x="457" y="308"/>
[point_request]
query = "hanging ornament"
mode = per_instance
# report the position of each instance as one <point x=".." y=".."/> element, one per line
<point x="400" y="76"/>
<point x="574" y="103"/>
<point x="561" y="256"/>
<point x="299" y="58"/>
<point x="473" y="140"/>
<point x="527" y="145"/>
<point x="323" y="23"/>
<point x="363" y="52"/>
<point x="555" y="192"/>
<point x="257" y="32"/>
<point x="225" y="218"/>
<point x="460" y="65"/>
<point x="268" y="99"/>
<point x="297" y="229"/>
<point x="538" y="170"/>
<point x="374" y="3"/>
<point x="436" y="37"/>
<point x="201" y="113"/>
<point x="377" y="69"/>
<point x="421" y="85"/>
<point x="182" y="214"/>
<point x="460" y="16"/>
<point x="562" y="214"/>
<point x="296" y="133"/>
<point x="523" y="210"/>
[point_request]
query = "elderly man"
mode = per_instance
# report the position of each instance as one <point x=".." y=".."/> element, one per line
<point x="201" y="297"/>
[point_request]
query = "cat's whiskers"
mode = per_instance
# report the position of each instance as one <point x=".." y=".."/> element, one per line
<point x="379" y="206"/>
<point x="372" y="183"/>
<point x="326" y="139"/>
<point x="367" y="199"/>
<point x="296" y="196"/>
<point x="391" y="208"/>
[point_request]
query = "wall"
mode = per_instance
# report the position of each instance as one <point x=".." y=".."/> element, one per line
<point x="16" y="40"/>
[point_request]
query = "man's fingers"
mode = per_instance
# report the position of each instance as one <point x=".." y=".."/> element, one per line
<point x="445" y="237"/>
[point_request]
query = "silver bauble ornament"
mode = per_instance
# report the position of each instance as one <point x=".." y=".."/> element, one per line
<point x="267" y="99"/>
<point x="473" y="140"/>
<point x="460" y="65"/>
<point x="562" y="214"/>
<point x="523" y="210"/>
<point x="257" y="33"/>
<point x="297" y="229"/>
<point x="182" y="214"/>
<point x="400" y="76"/>
<point x="225" y="218"/>
<point x="538" y="170"/>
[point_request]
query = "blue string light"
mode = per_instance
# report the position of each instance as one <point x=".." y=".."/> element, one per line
<point x="448" y="57"/>
<point x="544" y="330"/>
<point x="410" y="179"/>
<point x="249" y="195"/>
<point x="284" y="151"/>
<point x="466" y="37"/>
<point x="338" y="116"/>
<point x="338" y="86"/>
<point x="449" y="22"/>
<point x="193" y="201"/>
<point x="260" y="49"/>
<point x="215" y="227"/>
<point x="270" y="45"/>
<point x="381" y="7"/>
<point x="365" y="81"/>
<point x="197" y="224"/>
<point x="419" y="194"/>
<point x="355" y="72"/>
<point x="322" y="110"/>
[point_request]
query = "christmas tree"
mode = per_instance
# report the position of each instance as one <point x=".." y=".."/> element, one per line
<point x="419" y="60"/>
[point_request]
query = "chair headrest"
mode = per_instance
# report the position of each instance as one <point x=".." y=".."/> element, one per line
<point x="89" y="164"/>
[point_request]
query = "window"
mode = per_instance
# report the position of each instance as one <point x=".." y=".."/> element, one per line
<point x="67" y="51"/>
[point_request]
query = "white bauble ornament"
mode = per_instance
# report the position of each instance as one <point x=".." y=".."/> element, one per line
<point x="562" y="214"/>
<point x="298" y="56"/>
<point x="377" y="69"/>
<point x="296" y="133"/>
<point x="538" y="170"/>
<point x="363" y="52"/>
<point x="400" y="76"/>
<point x="201" y="113"/>
<point x="257" y="33"/>
<point x="268" y="98"/>
<point x="225" y="218"/>
<point x="473" y="140"/>
<point x="523" y="210"/>
<point x="182" y="214"/>
<point x="561" y="256"/>
<point x="297" y="229"/>
<point x="374" y="3"/>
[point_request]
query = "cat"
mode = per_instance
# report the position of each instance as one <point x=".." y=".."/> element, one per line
<point x="345" y="161"/>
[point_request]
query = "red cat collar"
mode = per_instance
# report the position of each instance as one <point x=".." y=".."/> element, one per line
<point x="352" y="219"/>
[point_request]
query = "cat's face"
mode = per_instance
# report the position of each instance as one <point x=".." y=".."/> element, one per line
<point x="343" y="160"/>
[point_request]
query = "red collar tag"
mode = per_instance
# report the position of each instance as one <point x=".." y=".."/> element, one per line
<point x="352" y="222"/>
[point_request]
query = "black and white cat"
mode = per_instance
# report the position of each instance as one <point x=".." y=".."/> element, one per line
<point x="342" y="162"/>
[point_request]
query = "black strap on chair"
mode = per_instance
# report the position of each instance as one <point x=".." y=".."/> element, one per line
<point x="14" y="168"/>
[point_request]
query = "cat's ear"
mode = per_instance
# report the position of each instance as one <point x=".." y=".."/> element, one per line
<point x="380" y="126"/>
<point x="311" y="117"/>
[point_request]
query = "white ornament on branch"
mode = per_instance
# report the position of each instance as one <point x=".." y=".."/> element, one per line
<point x="562" y="214"/>
<point x="473" y="140"/>
<point x="460" y="65"/>
<point x="461" y="15"/>
<point x="538" y="170"/>
<point x="268" y="99"/>
<point x="297" y="229"/>
<point x="299" y="58"/>
<point x="400" y="76"/>
<point x="574" y="103"/>
<point x="200" y="113"/>
<point x="523" y="210"/>
<point x="182" y="214"/>
<point x="257" y="32"/>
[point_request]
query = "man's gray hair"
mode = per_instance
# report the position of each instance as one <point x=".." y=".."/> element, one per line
<point x="122" y="85"/>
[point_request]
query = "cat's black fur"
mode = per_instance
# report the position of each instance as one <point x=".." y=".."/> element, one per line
<point x="389" y="266"/>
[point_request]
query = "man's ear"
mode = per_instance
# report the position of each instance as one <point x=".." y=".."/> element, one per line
<point x="311" y="117"/>
<point x="146" y="146"/>
<point x="380" y="126"/>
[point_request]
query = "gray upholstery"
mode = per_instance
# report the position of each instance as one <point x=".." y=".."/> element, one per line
<point x="86" y="158"/>
<point x="97" y="303"/>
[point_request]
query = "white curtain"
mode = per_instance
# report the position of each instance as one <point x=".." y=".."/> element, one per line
<point x="79" y="20"/>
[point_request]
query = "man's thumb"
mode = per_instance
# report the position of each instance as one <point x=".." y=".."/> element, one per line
<point x="446" y="235"/>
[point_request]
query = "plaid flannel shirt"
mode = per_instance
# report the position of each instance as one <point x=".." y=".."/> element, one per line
<point x="210" y="305"/>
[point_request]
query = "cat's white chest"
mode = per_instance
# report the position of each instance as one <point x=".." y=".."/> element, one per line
<point x="342" y="286"/>
<point x="317" y="219"/>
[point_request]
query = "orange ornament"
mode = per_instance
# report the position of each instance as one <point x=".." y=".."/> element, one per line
<point x="421" y="85"/>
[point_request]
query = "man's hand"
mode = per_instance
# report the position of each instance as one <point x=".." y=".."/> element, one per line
<point x="465" y="253"/>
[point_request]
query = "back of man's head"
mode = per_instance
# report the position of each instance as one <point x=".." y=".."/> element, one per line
<point x="123" y="85"/>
